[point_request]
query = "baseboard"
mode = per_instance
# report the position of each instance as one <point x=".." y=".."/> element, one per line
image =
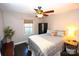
<point x="20" y="42"/>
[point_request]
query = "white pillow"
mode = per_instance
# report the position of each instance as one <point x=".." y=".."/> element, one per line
<point x="48" y="31"/>
<point x="60" y="33"/>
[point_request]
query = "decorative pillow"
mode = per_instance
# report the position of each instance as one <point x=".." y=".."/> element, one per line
<point x="54" y="33"/>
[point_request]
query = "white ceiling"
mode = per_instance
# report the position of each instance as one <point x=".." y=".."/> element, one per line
<point x="20" y="7"/>
<point x="27" y="6"/>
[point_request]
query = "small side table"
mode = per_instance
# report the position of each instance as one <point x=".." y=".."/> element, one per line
<point x="69" y="50"/>
<point x="8" y="49"/>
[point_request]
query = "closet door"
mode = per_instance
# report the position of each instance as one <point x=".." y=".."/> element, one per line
<point x="45" y="27"/>
<point x="40" y="28"/>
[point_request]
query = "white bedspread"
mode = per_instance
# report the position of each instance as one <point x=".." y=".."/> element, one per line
<point x="46" y="44"/>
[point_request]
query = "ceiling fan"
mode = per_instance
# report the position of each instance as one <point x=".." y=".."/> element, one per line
<point x="41" y="13"/>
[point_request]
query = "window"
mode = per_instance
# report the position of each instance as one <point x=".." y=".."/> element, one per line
<point x="28" y="28"/>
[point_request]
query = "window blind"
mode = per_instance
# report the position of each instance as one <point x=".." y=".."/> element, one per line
<point x="28" y="21"/>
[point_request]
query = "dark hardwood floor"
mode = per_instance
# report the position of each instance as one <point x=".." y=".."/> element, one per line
<point x="21" y="50"/>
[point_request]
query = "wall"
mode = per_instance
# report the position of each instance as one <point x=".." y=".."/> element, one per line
<point x="1" y="25"/>
<point x="35" y="24"/>
<point x="60" y="21"/>
<point x="16" y="21"/>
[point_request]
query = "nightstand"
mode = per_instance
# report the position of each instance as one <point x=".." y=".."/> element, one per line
<point x="69" y="50"/>
<point x="8" y="49"/>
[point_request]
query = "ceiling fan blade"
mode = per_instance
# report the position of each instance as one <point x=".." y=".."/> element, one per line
<point x="44" y="14"/>
<point x="49" y="11"/>
<point x="35" y="9"/>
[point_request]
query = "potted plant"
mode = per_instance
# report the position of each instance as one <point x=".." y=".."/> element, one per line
<point x="8" y="34"/>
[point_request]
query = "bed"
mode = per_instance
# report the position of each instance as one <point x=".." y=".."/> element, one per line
<point x="45" y="45"/>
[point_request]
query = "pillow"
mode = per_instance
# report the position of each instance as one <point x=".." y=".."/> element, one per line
<point x="48" y="31"/>
<point x="60" y="33"/>
<point x="54" y="33"/>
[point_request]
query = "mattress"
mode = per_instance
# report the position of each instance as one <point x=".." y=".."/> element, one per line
<point x="45" y="45"/>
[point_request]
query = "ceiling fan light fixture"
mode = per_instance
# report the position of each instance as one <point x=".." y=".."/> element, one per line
<point x="39" y="15"/>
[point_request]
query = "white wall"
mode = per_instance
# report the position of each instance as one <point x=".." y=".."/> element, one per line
<point x="1" y="25"/>
<point x="60" y="21"/>
<point x="16" y="21"/>
<point x="35" y="23"/>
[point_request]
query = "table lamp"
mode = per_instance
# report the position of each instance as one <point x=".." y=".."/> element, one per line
<point x="71" y="35"/>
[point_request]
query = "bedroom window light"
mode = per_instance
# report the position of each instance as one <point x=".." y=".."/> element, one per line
<point x="28" y="28"/>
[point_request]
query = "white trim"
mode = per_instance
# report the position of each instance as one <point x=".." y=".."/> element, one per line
<point x="19" y="42"/>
